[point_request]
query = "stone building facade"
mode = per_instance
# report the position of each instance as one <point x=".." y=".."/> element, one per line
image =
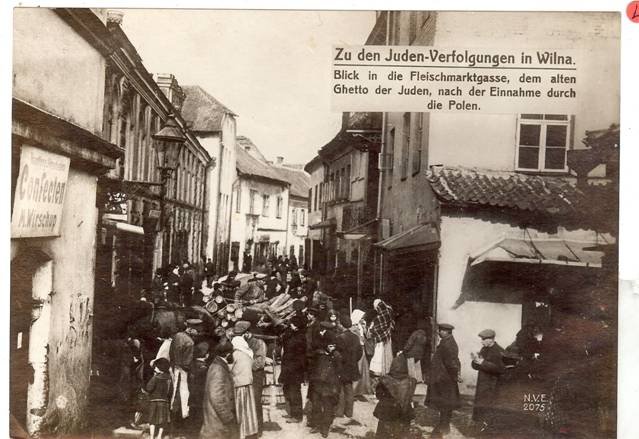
<point x="133" y="243"/>
<point x="58" y="155"/>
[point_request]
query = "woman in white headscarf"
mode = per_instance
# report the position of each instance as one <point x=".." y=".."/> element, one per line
<point x="362" y="386"/>
<point x="243" y="380"/>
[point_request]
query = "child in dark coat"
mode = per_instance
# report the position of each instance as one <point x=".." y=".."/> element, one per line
<point x="159" y="388"/>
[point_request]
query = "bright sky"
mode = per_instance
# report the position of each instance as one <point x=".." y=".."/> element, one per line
<point x="272" y="68"/>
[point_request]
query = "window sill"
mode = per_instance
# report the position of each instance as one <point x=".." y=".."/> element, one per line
<point x="557" y="173"/>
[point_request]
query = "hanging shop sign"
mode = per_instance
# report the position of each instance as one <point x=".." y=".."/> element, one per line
<point x="39" y="195"/>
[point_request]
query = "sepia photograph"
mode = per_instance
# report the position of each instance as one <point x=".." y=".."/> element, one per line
<point x="314" y="223"/>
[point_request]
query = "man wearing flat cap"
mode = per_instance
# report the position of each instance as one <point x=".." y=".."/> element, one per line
<point x="490" y="366"/>
<point x="443" y="391"/>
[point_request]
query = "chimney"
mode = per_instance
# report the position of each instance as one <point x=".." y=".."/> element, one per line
<point x="345" y="119"/>
<point x="279" y="160"/>
<point x="171" y="89"/>
<point x="115" y="16"/>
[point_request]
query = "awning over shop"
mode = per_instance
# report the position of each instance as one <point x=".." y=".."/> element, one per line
<point x="330" y="222"/>
<point x="540" y="251"/>
<point x="419" y="238"/>
<point x="125" y="227"/>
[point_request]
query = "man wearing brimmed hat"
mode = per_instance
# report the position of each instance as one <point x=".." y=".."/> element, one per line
<point x="489" y="364"/>
<point x="443" y="391"/>
<point x="294" y="366"/>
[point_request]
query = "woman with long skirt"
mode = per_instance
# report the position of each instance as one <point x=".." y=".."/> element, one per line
<point x="243" y="382"/>
<point x="363" y="385"/>
<point x="380" y="331"/>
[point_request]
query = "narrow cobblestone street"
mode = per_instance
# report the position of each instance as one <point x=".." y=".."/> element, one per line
<point x="362" y="425"/>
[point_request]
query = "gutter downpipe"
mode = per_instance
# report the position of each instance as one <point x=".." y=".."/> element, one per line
<point x="382" y="173"/>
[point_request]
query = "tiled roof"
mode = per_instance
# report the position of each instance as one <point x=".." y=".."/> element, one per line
<point x="364" y="121"/>
<point x="250" y="166"/>
<point x="465" y="187"/>
<point x="201" y="110"/>
<point x="300" y="180"/>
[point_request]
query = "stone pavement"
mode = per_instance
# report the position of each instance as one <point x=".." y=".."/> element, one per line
<point x="363" y="424"/>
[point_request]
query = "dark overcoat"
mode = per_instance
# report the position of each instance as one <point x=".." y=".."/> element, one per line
<point x="293" y="357"/>
<point x="350" y="348"/>
<point x="218" y="405"/>
<point x="443" y="392"/>
<point x="487" y="381"/>
<point x="416" y="345"/>
<point x="324" y="376"/>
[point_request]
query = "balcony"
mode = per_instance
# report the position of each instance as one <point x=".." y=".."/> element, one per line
<point x="354" y="215"/>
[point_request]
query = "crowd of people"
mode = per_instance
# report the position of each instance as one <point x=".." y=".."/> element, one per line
<point x="207" y="378"/>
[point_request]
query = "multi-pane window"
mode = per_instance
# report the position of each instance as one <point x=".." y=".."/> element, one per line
<point x="302" y="219"/>
<point x="265" y="204"/>
<point x="542" y="142"/>
<point x="294" y="217"/>
<point x="279" y="207"/>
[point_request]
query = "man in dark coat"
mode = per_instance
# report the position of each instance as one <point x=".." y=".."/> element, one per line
<point x="173" y="280"/>
<point x="443" y="392"/>
<point x="197" y="380"/>
<point x="209" y="271"/>
<point x="186" y="286"/>
<point x="490" y="365"/>
<point x="218" y="406"/>
<point x="325" y="380"/>
<point x="273" y="285"/>
<point x="351" y="351"/>
<point x="294" y="366"/>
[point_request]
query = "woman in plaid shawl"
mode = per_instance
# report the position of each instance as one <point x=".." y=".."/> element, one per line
<point x="380" y="332"/>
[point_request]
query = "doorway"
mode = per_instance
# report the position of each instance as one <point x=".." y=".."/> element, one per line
<point x="31" y="285"/>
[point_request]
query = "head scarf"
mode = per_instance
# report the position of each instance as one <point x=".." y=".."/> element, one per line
<point x="240" y="344"/>
<point x="356" y="316"/>
<point x="383" y="322"/>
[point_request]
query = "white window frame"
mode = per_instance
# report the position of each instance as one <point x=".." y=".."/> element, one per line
<point x="544" y="123"/>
